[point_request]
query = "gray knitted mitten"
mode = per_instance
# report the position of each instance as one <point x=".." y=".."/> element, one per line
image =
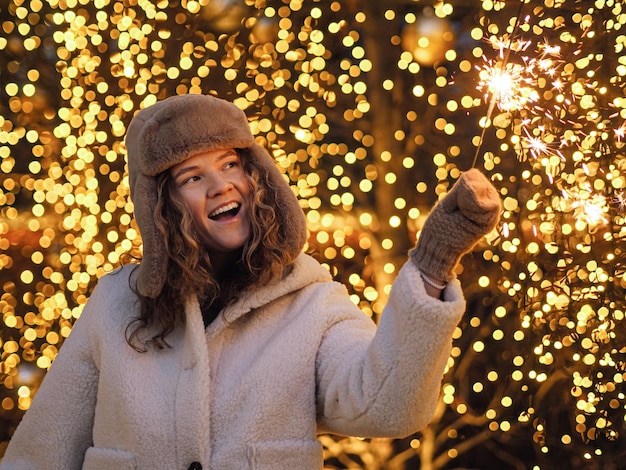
<point x="468" y="212"/>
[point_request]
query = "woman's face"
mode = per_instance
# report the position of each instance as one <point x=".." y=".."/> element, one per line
<point x="214" y="187"/>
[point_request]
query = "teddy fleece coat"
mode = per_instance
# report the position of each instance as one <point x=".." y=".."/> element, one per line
<point x="251" y="391"/>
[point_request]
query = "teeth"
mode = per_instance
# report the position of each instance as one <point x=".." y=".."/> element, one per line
<point x="226" y="208"/>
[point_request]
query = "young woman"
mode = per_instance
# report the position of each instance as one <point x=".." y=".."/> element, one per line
<point x="227" y="347"/>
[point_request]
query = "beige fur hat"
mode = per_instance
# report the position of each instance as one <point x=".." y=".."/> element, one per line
<point x="173" y="130"/>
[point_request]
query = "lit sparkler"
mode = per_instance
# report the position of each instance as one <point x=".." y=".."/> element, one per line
<point x="589" y="209"/>
<point x="508" y="86"/>
<point x="539" y="145"/>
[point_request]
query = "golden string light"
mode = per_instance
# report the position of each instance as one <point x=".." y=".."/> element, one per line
<point x="559" y="118"/>
<point x="369" y="133"/>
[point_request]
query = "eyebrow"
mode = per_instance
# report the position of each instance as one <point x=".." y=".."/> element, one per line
<point x="184" y="170"/>
<point x="191" y="168"/>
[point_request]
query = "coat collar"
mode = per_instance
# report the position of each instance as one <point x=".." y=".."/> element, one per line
<point x="305" y="271"/>
<point x="193" y="337"/>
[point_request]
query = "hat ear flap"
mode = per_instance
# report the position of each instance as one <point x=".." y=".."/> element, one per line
<point x="152" y="270"/>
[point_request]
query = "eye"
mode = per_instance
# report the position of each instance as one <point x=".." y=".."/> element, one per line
<point x="190" y="179"/>
<point x="234" y="163"/>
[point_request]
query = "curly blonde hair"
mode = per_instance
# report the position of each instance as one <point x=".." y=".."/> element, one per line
<point x="189" y="270"/>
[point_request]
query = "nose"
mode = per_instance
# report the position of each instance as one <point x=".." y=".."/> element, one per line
<point x="217" y="185"/>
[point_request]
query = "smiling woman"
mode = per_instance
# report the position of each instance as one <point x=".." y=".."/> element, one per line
<point x="227" y="346"/>
<point x="214" y="189"/>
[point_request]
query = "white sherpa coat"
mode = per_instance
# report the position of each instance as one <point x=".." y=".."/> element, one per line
<point x="252" y="391"/>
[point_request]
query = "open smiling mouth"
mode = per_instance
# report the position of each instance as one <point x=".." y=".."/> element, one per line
<point x="225" y="212"/>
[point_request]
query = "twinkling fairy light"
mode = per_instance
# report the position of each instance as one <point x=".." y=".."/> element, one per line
<point x="371" y="117"/>
<point x="307" y="75"/>
<point x="556" y="99"/>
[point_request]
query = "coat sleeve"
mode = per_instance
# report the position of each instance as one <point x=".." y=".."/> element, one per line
<point x="57" y="429"/>
<point x="385" y="382"/>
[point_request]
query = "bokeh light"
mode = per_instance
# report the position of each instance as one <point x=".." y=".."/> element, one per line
<point x="371" y="127"/>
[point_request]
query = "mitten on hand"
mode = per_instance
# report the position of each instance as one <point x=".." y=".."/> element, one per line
<point x="467" y="213"/>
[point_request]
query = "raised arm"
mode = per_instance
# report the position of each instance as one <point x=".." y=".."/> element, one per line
<point x="388" y="385"/>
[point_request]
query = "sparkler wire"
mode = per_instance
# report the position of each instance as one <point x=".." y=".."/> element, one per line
<point x="492" y="102"/>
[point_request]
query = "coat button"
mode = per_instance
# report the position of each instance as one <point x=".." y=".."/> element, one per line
<point x="195" y="466"/>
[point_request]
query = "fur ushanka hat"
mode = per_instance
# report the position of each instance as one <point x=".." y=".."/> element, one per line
<point x="173" y="130"/>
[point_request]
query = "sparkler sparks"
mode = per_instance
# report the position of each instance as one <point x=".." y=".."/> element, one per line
<point x="619" y="199"/>
<point x="540" y="145"/>
<point x="549" y="50"/>
<point x="554" y="114"/>
<point x="536" y="145"/>
<point x="515" y="87"/>
<point x="507" y="85"/>
<point x="589" y="209"/>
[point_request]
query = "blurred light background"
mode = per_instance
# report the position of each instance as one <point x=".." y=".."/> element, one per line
<point x="372" y="110"/>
